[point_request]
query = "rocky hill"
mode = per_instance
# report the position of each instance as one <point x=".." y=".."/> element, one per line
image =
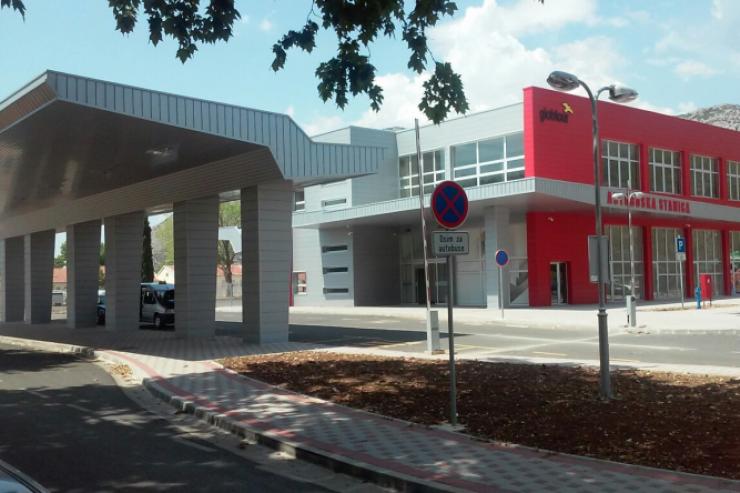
<point x="723" y="115"/>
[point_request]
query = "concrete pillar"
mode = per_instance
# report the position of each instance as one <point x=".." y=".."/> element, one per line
<point x="12" y="282"/>
<point x="39" y="275"/>
<point x="496" y="225"/>
<point x="267" y="245"/>
<point x="196" y="238"/>
<point x="83" y="266"/>
<point x="123" y="249"/>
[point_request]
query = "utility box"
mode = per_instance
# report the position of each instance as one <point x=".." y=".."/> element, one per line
<point x="705" y="282"/>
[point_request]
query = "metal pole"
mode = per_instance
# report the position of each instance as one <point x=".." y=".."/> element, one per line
<point x="501" y="290"/>
<point x="680" y="276"/>
<point x="633" y="313"/>
<point x="451" y="340"/>
<point x="604" y="375"/>
<point x="423" y="230"/>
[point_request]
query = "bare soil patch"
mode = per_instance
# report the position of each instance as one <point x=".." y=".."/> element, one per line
<point x="675" y="421"/>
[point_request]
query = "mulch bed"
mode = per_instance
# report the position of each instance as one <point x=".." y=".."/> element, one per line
<point x="675" y="421"/>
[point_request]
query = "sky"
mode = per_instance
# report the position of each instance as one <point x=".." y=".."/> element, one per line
<point x="679" y="54"/>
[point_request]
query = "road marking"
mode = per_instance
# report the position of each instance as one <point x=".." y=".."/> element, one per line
<point x="191" y="444"/>
<point x="80" y="408"/>
<point x="549" y="354"/>
<point x="37" y="394"/>
<point x="401" y="344"/>
<point x="626" y="360"/>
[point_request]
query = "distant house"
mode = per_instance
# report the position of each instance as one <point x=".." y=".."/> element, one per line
<point x="59" y="281"/>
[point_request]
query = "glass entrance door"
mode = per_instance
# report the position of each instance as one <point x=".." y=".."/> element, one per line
<point x="558" y="283"/>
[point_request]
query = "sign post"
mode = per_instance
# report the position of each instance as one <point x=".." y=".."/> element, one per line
<point x="450" y="207"/>
<point x="502" y="259"/>
<point x="681" y="257"/>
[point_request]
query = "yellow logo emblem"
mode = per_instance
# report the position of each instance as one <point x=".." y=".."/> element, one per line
<point x="567" y="108"/>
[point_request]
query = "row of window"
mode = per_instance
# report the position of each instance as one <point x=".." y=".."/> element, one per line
<point x="621" y="163"/>
<point x="473" y="164"/>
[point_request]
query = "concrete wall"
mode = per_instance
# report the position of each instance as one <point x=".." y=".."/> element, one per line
<point x="382" y="185"/>
<point x="376" y="257"/>
<point x="39" y="272"/>
<point x="314" y="254"/>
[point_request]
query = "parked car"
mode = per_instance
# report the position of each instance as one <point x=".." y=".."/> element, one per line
<point x="14" y="481"/>
<point x="156" y="304"/>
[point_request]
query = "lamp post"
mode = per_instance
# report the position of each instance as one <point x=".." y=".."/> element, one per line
<point x="563" y="81"/>
<point x="632" y="301"/>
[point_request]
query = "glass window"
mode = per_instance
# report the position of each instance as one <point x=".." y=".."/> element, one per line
<point x="621" y="163"/>
<point x="733" y="176"/>
<point x="489" y="161"/>
<point x="299" y="200"/>
<point x="735" y="260"/>
<point x="464" y="155"/>
<point x="433" y="167"/>
<point x="666" y="272"/>
<point x="704" y="176"/>
<point x="491" y="150"/>
<point x="665" y="171"/>
<point x="707" y="249"/>
<point x="619" y="261"/>
<point x="299" y="282"/>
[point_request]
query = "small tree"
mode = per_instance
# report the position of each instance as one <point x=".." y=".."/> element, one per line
<point x="61" y="259"/>
<point x="229" y="214"/>
<point x="147" y="261"/>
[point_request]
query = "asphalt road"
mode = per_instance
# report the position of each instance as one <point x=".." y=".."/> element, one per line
<point x="68" y="425"/>
<point x="499" y="340"/>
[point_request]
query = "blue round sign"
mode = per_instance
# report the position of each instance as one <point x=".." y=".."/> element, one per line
<point x="502" y="258"/>
<point x="449" y="204"/>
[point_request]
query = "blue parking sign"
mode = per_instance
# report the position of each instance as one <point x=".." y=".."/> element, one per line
<point x="680" y="244"/>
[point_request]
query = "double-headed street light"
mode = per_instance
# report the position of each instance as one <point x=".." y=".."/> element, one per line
<point x="563" y="81"/>
<point x="629" y="195"/>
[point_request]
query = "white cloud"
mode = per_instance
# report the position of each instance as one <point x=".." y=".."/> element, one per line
<point x="323" y="124"/>
<point x="266" y="25"/>
<point x="244" y="19"/>
<point x="290" y="111"/>
<point x="687" y="107"/>
<point x="688" y="69"/>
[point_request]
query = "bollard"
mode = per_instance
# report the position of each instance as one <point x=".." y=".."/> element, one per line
<point x="697" y="294"/>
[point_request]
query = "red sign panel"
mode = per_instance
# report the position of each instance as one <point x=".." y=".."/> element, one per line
<point x="449" y="204"/>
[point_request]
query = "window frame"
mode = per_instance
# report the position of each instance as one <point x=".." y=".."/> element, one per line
<point x="712" y="174"/>
<point x="471" y="174"/>
<point x="408" y="184"/>
<point x="733" y="180"/>
<point x="674" y="168"/>
<point x="631" y="160"/>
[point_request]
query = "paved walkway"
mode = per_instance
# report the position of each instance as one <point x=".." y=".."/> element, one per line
<point x="183" y="371"/>
<point x="724" y="315"/>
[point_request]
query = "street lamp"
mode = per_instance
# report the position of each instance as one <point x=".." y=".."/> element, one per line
<point x="628" y="195"/>
<point x="563" y="81"/>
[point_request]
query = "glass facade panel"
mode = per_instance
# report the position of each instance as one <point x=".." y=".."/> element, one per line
<point x="619" y="261"/>
<point x="733" y="178"/>
<point x="707" y="248"/>
<point x="621" y="163"/>
<point x="489" y="161"/>
<point x="704" y="176"/>
<point x="665" y="171"/>
<point x="433" y="166"/>
<point x="735" y="260"/>
<point x="666" y="272"/>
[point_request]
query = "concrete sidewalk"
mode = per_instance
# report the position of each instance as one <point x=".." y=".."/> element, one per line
<point x="724" y="315"/>
<point x="406" y="456"/>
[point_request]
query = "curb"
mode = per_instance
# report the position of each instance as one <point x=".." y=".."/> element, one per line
<point x="269" y="438"/>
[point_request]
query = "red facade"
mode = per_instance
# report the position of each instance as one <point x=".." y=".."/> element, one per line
<point x="558" y="146"/>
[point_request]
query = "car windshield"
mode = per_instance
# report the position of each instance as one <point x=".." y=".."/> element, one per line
<point x="167" y="298"/>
